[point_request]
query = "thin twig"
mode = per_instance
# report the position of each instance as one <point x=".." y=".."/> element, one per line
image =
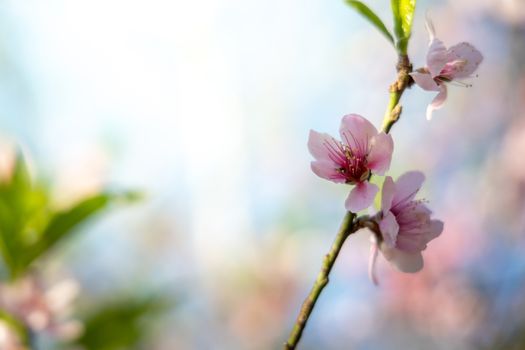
<point x="350" y="223"/>
<point x="347" y="228"/>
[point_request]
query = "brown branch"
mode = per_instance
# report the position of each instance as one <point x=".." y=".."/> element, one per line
<point x="403" y="81"/>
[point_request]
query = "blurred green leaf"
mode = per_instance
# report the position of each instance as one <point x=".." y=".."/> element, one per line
<point x="121" y="323"/>
<point x="20" y="178"/>
<point x="22" y="213"/>
<point x="366" y="12"/>
<point x="29" y="227"/>
<point x="63" y="223"/>
<point x="403" y="12"/>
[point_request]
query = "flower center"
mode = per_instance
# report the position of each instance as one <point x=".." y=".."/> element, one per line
<point x="355" y="168"/>
<point x="352" y="161"/>
<point x="451" y="69"/>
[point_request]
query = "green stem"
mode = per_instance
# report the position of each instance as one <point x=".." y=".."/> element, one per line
<point x="347" y="228"/>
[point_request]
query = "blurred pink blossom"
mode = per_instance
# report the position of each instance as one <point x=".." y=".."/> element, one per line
<point x="7" y="159"/>
<point x="445" y="65"/>
<point x="9" y="340"/>
<point x="362" y="151"/>
<point x="39" y="308"/>
<point x="405" y="224"/>
<point x="509" y="11"/>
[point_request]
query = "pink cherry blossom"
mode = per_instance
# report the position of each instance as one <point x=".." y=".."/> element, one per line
<point x="361" y="152"/>
<point x="404" y="223"/>
<point x="445" y="65"/>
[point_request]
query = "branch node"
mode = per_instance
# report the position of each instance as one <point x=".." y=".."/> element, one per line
<point x="396" y="112"/>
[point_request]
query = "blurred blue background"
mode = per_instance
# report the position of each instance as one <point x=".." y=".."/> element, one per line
<point x="206" y="107"/>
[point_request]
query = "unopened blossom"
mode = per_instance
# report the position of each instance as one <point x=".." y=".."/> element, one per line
<point x="40" y="308"/>
<point x="361" y="152"/>
<point x="404" y="223"/>
<point x="444" y="66"/>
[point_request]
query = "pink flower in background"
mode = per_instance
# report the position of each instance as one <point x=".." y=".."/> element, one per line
<point x="443" y="66"/>
<point x="42" y="309"/>
<point x="361" y="152"/>
<point x="7" y="160"/>
<point x="405" y="224"/>
<point x="9" y="339"/>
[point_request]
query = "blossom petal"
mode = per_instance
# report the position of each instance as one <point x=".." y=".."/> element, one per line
<point x="361" y="196"/>
<point x="389" y="228"/>
<point x="437" y="57"/>
<point x="467" y="59"/>
<point x="372" y="262"/>
<point x="411" y="242"/>
<point x="416" y="240"/>
<point x="408" y="262"/>
<point x="387" y="194"/>
<point x="382" y="146"/>
<point x="425" y="81"/>
<point x="437" y="102"/>
<point x="430" y="28"/>
<point x="407" y="186"/>
<point x="410" y="211"/>
<point x="435" y="229"/>
<point x="403" y="261"/>
<point x="318" y="145"/>
<point x="356" y="131"/>
<point x="326" y="170"/>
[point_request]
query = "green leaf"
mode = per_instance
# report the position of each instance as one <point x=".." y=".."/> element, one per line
<point x="20" y="177"/>
<point x="366" y="12"/>
<point x="22" y="211"/>
<point x="63" y="223"/>
<point x="122" y="323"/>
<point x="66" y="222"/>
<point x="29" y="226"/>
<point x="403" y="12"/>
